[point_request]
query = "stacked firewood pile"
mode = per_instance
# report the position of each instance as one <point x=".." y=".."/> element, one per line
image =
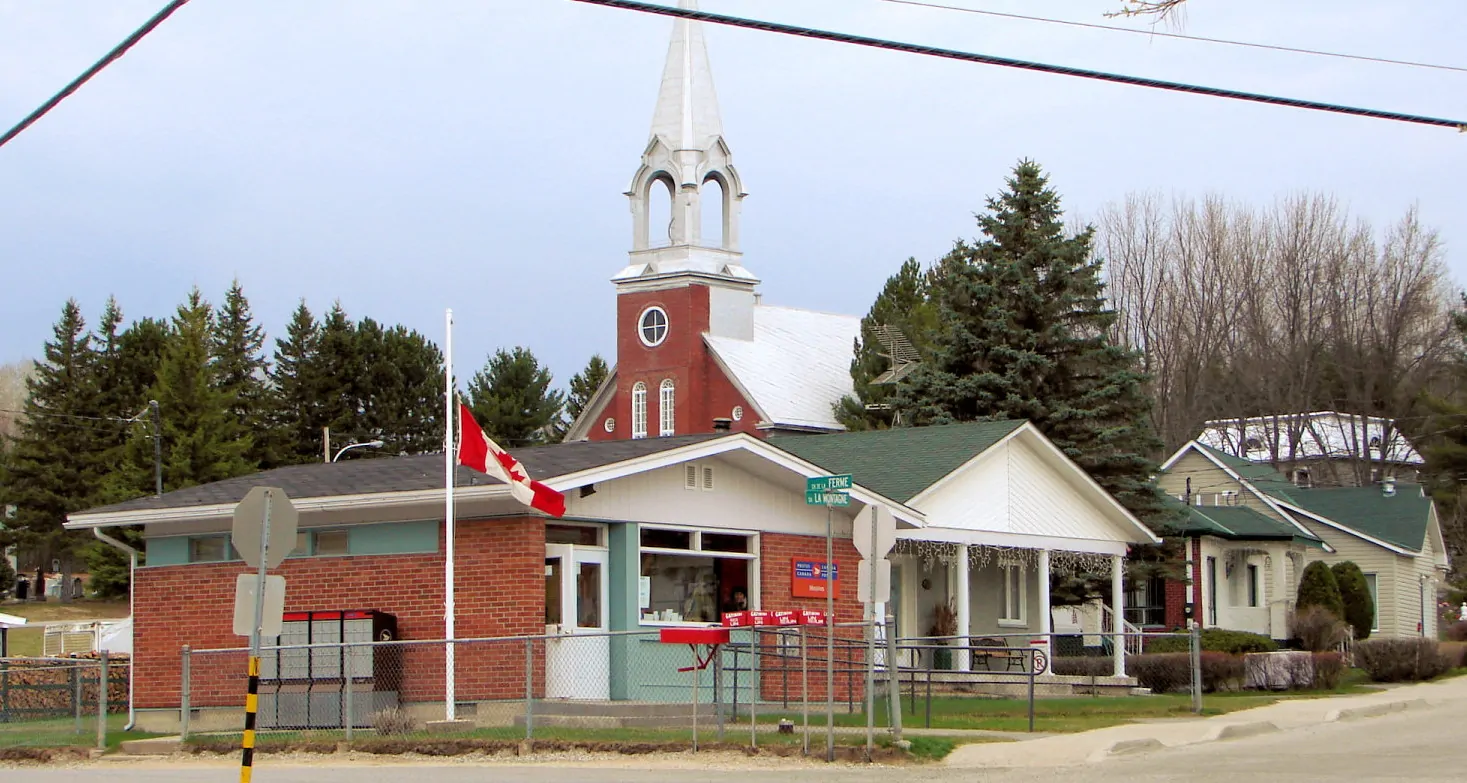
<point x="36" y="688"/>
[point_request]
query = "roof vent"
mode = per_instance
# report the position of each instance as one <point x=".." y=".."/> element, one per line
<point x="722" y="425"/>
<point x="1388" y="486"/>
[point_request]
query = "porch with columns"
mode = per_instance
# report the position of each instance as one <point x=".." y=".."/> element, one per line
<point x="999" y="592"/>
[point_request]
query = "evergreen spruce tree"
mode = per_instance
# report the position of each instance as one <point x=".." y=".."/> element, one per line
<point x="512" y="400"/>
<point x="55" y="464"/>
<point x="339" y="387"/>
<point x="294" y="402"/>
<point x="242" y="369"/>
<point x="583" y="386"/>
<point x="202" y="439"/>
<point x="1022" y="325"/>
<point x="399" y="389"/>
<point x="905" y="305"/>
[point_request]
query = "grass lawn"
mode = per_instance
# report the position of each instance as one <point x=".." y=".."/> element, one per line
<point x="62" y="732"/>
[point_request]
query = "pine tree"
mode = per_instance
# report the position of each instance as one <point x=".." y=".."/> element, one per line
<point x="903" y="304"/>
<point x="399" y="389"/>
<point x="242" y="370"/>
<point x="338" y="377"/>
<point x="512" y="400"/>
<point x="583" y="386"/>
<point x="55" y="465"/>
<point x="1022" y="335"/>
<point x="294" y="403"/>
<point x="202" y="439"/>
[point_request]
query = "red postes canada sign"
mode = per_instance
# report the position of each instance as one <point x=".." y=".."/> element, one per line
<point x="810" y="578"/>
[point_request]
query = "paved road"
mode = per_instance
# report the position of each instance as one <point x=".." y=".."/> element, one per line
<point x="1422" y="744"/>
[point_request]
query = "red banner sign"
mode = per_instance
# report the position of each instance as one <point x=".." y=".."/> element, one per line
<point x="759" y="617"/>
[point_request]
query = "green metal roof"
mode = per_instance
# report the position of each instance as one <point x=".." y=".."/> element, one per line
<point x="1238" y="523"/>
<point x="1262" y="476"/>
<point x="1400" y="519"/>
<point x="901" y="462"/>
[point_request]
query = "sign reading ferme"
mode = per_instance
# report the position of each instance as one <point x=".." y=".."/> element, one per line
<point x="828" y="490"/>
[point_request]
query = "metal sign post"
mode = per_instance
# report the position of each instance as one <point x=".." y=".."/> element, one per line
<point x="264" y="514"/>
<point x="829" y="491"/>
<point x="874" y="534"/>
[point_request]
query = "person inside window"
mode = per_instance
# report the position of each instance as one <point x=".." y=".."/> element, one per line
<point x="738" y="601"/>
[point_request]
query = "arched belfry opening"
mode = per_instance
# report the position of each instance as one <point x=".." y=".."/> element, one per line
<point x="660" y="190"/>
<point x="715" y="206"/>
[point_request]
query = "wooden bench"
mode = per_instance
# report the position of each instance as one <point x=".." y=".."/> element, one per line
<point x="990" y="651"/>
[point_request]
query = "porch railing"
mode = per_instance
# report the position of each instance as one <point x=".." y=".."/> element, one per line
<point x="1134" y="641"/>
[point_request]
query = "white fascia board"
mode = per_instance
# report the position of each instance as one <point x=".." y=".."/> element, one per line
<point x="738" y="385"/>
<point x="1349" y="530"/>
<point x="580" y="429"/>
<point x="1059" y="457"/>
<point x="154" y="516"/>
<point x="953" y="535"/>
<point x="1172" y="460"/>
<point x="1276" y="505"/>
<point x="711" y="448"/>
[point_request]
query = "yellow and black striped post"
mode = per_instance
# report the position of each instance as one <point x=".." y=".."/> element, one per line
<point x="252" y="704"/>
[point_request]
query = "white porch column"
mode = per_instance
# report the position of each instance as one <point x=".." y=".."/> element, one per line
<point x="1278" y="604"/>
<point x="1118" y="605"/>
<point x="1046" y="615"/>
<point x="965" y="610"/>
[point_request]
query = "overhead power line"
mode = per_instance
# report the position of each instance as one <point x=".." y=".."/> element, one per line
<point x="107" y="59"/>
<point x="1008" y="62"/>
<point x="1177" y="36"/>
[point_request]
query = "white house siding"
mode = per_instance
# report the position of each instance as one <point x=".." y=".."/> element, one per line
<point x="739" y="500"/>
<point x="984" y="585"/>
<point x="1388" y="567"/>
<point x="1419" y="569"/>
<point x="1011" y="488"/>
<point x="1208" y="480"/>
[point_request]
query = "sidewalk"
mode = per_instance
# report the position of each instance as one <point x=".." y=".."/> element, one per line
<point x="1085" y="747"/>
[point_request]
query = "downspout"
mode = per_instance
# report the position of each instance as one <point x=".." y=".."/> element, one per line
<point x="132" y="630"/>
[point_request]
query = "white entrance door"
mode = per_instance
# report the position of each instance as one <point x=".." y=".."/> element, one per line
<point x="577" y="663"/>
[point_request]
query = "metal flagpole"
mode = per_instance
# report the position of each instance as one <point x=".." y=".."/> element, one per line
<point x="449" y="697"/>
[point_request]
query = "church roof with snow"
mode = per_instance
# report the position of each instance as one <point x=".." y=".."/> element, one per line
<point x="796" y="368"/>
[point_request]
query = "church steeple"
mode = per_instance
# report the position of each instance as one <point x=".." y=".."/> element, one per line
<point x="686" y="153"/>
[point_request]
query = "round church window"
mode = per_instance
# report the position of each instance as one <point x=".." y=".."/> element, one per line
<point x="609" y="424"/>
<point x="653" y="326"/>
<point x="738" y="413"/>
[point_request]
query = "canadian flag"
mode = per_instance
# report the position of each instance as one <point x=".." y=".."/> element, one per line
<point x="477" y="451"/>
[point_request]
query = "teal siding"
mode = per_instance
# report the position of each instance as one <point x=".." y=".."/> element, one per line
<point x="652" y="672"/>
<point x="394" y="538"/>
<point x="172" y="550"/>
<point x="622" y="604"/>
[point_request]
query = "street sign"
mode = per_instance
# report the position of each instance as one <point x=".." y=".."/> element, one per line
<point x="272" y="620"/>
<point x="249" y="525"/>
<point x="823" y="483"/>
<point x="822" y="498"/>
<point x="864" y="570"/>
<point x="880" y="518"/>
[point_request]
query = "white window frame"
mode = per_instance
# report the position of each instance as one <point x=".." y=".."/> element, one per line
<point x="642" y="329"/>
<point x="695" y="543"/>
<point x="1254" y="595"/>
<point x="1372" y="583"/>
<point x="666" y="407"/>
<point x="1004" y="594"/>
<point x="639" y="410"/>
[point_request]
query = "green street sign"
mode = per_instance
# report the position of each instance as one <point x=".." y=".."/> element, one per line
<point x="827" y="483"/>
<point x="822" y="498"/>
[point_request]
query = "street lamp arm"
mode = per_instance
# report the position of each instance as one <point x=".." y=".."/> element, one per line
<point x="371" y="444"/>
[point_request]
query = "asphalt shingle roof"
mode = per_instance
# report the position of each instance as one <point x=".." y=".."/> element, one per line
<point x="898" y="463"/>
<point x="402" y="474"/>
<point x="1399" y="519"/>
<point x="1237" y="523"/>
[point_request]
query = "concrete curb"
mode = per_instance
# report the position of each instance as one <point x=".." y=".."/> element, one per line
<point x="1239" y="730"/>
<point x="1127" y="748"/>
<point x="1374" y="710"/>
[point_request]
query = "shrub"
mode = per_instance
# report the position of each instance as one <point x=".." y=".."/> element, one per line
<point x="1329" y="669"/>
<point x="1215" y="640"/>
<point x="1221" y="672"/>
<point x="1455" y="654"/>
<point x="1085" y="666"/>
<point x="1355" y="595"/>
<point x="393" y="722"/>
<point x="1457" y="632"/>
<point x="1161" y="672"/>
<point x="1317" y="630"/>
<point x="1318" y="587"/>
<point x="1400" y="660"/>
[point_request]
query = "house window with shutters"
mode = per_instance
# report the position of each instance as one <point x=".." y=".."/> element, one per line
<point x="639" y="410"/>
<point x="666" y="412"/>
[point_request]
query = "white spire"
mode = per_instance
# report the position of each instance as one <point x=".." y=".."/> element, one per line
<point x="687" y="105"/>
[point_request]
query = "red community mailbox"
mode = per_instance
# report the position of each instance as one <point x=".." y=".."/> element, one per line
<point x="811" y="577"/>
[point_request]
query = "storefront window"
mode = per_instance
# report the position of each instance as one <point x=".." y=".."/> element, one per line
<point x="692" y="576"/>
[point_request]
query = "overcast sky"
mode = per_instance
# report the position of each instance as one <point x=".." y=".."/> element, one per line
<point x="406" y="157"/>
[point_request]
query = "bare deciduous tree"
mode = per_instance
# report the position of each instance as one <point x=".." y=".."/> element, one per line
<point x="12" y="395"/>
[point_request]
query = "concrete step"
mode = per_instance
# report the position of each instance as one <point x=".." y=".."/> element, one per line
<point x="157" y="746"/>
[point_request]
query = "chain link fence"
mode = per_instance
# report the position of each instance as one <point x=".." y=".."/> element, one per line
<point x="62" y="702"/>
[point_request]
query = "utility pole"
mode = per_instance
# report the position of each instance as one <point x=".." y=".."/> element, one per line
<point x="157" y="449"/>
<point x="326" y="444"/>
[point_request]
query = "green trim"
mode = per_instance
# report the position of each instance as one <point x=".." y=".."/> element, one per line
<point x="625" y="572"/>
<point x="390" y="538"/>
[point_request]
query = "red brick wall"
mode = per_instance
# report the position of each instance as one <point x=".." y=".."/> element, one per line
<point x="501" y="592"/>
<point x="703" y="391"/>
<point x="1178" y="592"/>
<point x="776" y="576"/>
